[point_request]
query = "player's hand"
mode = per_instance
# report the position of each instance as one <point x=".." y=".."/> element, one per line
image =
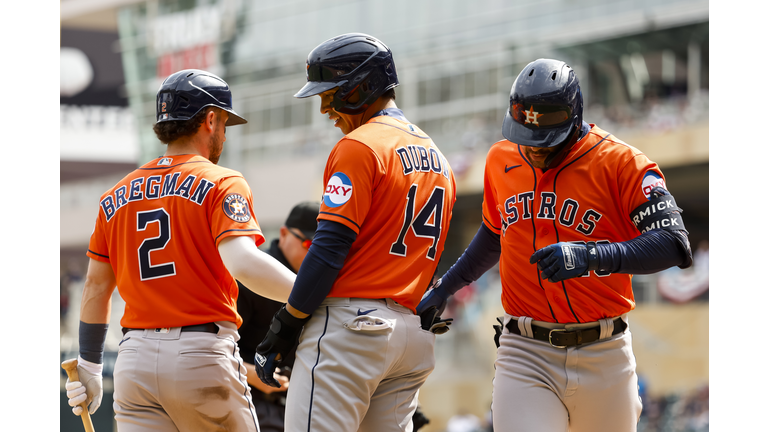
<point x="89" y="389"/>
<point x="561" y="261"/>
<point x="282" y="336"/>
<point x="431" y="307"/>
<point x="436" y="297"/>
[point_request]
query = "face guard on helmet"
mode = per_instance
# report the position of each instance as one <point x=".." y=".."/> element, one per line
<point x="185" y="93"/>
<point x="356" y="64"/>
<point x="544" y="105"/>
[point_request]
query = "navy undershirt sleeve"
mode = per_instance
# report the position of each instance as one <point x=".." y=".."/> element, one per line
<point x="650" y="252"/>
<point x="321" y="265"/>
<point x="482" y="253"/>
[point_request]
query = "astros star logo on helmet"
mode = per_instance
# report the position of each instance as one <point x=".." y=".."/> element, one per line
<point x="532" y="116"/>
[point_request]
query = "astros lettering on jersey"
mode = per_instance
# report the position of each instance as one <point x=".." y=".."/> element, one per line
<point x="177" y="264"/>
<point x="399" y="244"/>
<point x="585" y="198"/>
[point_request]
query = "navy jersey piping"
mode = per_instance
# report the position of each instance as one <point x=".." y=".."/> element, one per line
<point x="239" y="230"/>
<point x="343" y="217"/>
<point x="533" y="224"/>
<point x="399" y="128"/>
<point x="554" y="224"/>
<point x="98" y="254"/>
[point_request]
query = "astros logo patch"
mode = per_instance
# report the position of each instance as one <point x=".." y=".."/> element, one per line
<point x="236" y="208"/>
<point x="338" y="191"/>
<point x="650" y="181"/>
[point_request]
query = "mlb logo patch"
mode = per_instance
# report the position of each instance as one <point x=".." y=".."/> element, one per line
<point x="165" y="161"/>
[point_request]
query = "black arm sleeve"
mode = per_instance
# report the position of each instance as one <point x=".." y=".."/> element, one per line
<point x="650" y="252"/>
<point x="321" y="265"/>
<point x="482" y="253"/>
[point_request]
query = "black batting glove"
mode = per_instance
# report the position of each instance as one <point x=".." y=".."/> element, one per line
<point x="565" y="260"/>
<point x="283" y="334"/>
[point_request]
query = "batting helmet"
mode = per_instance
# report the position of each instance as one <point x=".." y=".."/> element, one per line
<point x="185" y="93"/>
<point x="544" y="104"/>
<point x="355" y="63"/>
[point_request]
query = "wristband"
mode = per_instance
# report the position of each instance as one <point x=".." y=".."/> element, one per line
<point x="593" y="263"/>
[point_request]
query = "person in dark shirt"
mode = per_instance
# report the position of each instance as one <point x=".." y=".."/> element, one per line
<point x="290" y="249"/>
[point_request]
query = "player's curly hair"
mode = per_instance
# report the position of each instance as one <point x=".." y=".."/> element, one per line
<point x="169" y="131"/>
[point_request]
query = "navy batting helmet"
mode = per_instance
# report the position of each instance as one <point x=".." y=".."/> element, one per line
<point x="544" y="105"/>
<point x="185" y="93"/>
<point x="355" y="63"/>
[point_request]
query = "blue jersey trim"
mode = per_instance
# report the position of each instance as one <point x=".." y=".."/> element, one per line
<point x="98" y="254"/>
<point x="238" y="230"/>
<point x="343" y="217"/>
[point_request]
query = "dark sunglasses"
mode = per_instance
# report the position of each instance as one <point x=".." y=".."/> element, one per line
<point x="305" y="242"/>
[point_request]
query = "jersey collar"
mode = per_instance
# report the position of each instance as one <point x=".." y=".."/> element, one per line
<point x="396" y="113"/>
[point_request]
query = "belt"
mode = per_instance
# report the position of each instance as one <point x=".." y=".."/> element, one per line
<point x="207" y="328"/>
<point x="564" y="338"/>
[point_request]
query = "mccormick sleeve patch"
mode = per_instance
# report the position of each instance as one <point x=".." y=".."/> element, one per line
<point x="338" y="191"/>
<point x="236" y="208"/>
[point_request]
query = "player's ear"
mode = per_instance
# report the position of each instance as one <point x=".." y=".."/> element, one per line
<point x="211" y="118"/>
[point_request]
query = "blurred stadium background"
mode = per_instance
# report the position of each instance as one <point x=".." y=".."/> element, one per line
<point x="644" y="71"/>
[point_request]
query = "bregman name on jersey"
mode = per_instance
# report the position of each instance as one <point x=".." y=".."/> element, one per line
<point x="155" y="187"/>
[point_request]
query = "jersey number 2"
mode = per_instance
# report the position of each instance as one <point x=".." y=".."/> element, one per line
<point x="146" y="269"/>
<point x="432" y="210"/>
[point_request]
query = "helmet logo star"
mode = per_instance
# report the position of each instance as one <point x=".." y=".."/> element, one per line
<point x="532" y="116"/>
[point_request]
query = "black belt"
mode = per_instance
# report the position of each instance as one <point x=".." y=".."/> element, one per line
<point x="207" y="328"/>
<point x="562" y="338"/>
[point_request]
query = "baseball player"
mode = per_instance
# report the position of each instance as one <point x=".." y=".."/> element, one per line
<point x="173" y="235"/>
<point x="290" y="249"/>
<point x="363" y="353"/>
<point x="570" y="212"/>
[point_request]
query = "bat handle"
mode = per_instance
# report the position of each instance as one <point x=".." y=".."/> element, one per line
<point x="70" y="366"/>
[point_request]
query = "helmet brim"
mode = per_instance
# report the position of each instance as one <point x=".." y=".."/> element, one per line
<point x="234" y="119"/>
<point x="312" y="88"/>
<point x="545" y="137"/>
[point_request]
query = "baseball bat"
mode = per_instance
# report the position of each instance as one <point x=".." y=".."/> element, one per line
<point x="71" y="367"/>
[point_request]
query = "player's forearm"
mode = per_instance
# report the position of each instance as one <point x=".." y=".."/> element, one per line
<point x="95" y="306"/>
<point x="320" y="267"/>
<point x="480" y="256"/>
<point x="650" y="252"/>
<point x="255" y="269"/>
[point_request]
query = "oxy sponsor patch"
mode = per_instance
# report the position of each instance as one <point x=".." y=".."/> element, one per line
<point x="338" y="190"/>
<point x="236" y="208"/>
<point x="650" y="181"/>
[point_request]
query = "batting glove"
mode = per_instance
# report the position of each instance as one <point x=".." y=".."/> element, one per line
<point x="565" y="260"/>
<point x="436" y="297"/>
<point x="89" y="389"/>
<point x="431" y="307"/>
<point x="283" y="334"/>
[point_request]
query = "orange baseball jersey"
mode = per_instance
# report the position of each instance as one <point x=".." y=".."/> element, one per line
<point x="159" y="228"/>
<point x="388" y="182"/>
<point x="588" y="197"/>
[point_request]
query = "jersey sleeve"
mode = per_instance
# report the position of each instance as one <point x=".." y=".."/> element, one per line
<point x="491" y="216"/>
<point x="231" y="211"/>
<point x="97" y="245"/>
<point x="351" y="175"/>
<point x="636" y="180"/>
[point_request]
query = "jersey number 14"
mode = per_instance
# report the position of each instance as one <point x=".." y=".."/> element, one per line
<point x="420" y="223"/>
